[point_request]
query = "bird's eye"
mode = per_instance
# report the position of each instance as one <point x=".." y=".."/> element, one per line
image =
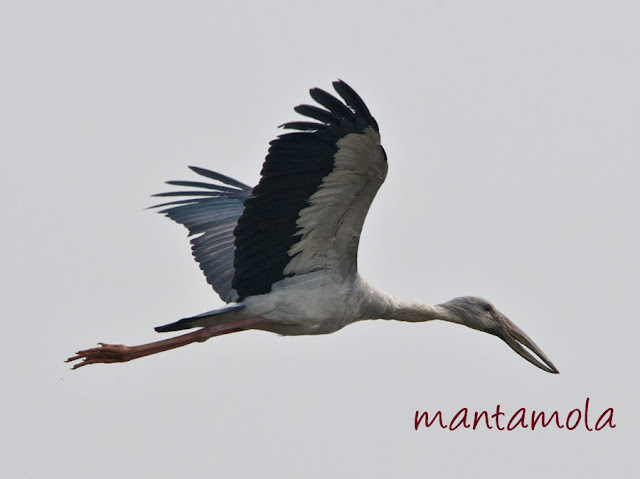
<point x="487" y="307"/>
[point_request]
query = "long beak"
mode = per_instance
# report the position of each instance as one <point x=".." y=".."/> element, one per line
<point x="517" y="340"/>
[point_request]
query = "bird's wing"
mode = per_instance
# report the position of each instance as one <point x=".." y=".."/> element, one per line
<point x="316" y="186"/>
<point x="210" y="213"/>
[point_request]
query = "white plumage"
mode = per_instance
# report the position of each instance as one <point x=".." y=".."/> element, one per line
<point x="284" y="254"/>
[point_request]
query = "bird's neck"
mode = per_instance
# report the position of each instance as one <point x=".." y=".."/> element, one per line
<point x="410" y="311"/>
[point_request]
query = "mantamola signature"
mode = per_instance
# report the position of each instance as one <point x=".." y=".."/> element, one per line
<point x="520" y="419"/>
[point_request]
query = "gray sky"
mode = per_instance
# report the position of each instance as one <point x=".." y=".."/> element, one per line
<point x="512" y="130"/>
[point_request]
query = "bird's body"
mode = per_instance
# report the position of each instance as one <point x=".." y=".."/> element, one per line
<point x="314" y="303"/>
<point x="284" y="253"/>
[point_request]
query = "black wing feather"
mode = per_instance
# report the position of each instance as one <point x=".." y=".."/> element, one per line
<point x="220" y="177"/>
<point x="323" y="116"/>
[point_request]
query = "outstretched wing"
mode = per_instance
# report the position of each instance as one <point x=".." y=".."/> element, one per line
<point x="210" y="214"/>
<point x="317" y="184"/>
<point x="307" y="212"/>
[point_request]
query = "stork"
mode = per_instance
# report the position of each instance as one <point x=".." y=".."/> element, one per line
<point x="283" y="254"/>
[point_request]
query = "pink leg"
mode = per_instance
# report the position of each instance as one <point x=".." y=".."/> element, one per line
<point x="119" y="353"/>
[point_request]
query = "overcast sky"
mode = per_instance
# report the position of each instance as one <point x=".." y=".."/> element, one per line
<point x="513" y="136"/>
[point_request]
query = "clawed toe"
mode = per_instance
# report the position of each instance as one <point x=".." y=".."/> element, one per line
<point x="106" y="353"/>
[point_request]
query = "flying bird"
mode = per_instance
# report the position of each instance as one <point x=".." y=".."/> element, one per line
<point x="283" y="254"/>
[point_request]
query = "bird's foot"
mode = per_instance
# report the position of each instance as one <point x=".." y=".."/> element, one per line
<point x="106" y="353"/>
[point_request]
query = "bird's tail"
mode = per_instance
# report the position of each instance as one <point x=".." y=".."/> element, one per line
<point x="217" y="316"/>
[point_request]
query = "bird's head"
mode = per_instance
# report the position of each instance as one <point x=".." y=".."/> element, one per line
<point x="480" y="314"/>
